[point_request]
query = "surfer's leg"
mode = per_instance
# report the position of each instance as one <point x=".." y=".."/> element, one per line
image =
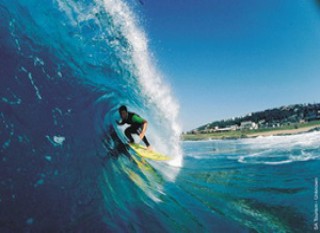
<point x="145" y="140"/>
<point x="128" y="132"/>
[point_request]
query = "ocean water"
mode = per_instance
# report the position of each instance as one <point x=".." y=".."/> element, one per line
<point x="65" y="68"/>
<point x="266" y="184"/>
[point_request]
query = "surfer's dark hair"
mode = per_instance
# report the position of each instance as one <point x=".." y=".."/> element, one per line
<point x="123" y="108"/>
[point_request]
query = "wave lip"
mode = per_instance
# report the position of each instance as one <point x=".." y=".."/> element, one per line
<point x="149" y="79"/>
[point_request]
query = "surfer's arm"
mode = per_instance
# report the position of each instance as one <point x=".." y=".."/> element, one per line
<point x="144" y="128"/>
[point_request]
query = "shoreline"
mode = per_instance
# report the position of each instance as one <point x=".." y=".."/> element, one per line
<point x="248" y="134"/>
<point x="284" y="132"/>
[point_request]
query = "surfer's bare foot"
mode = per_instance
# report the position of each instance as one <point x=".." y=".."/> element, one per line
<point x="149" y="148"/>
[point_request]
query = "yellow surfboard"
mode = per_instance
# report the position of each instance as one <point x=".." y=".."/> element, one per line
<point x="149" y="154"/>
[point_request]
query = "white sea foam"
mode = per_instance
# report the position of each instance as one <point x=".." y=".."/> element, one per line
<point x="59" y="139"/>
<point x="300" y="140"/>
<point x="275" y="150"/>
<point x="56" y="140"/>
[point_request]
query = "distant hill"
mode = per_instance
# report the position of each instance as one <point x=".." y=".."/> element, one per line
<point x="269" y="118"/>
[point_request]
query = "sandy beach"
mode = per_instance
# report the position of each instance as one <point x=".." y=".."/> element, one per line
<point x="284" y="132"/>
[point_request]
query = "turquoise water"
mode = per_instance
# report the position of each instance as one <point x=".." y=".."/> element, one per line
<point x="264" y="184"/>
<point x="65" y="68"/>
<point x="250" y="185"/>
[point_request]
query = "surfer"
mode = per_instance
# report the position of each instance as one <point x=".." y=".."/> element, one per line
<point x="138" y="125"/>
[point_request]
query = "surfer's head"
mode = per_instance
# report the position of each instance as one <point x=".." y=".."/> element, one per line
<point x="123" y="112"/>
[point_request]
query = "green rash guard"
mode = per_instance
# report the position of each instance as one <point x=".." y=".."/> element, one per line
<point x="137" y="119"/>
<point x="133" y="119"/>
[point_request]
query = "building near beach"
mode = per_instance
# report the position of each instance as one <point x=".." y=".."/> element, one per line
<point x="248" y="125"/>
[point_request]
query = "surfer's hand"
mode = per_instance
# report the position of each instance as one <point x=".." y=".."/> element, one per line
<point x="141" y="136"/>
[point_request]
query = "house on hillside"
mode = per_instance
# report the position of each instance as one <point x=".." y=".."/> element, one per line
<point x="227" y="128"/>
<point x="233" y="127"/>
<point x="248" y="125"/>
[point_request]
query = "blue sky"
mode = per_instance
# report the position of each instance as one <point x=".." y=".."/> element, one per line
<point x="226" y="58"/>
